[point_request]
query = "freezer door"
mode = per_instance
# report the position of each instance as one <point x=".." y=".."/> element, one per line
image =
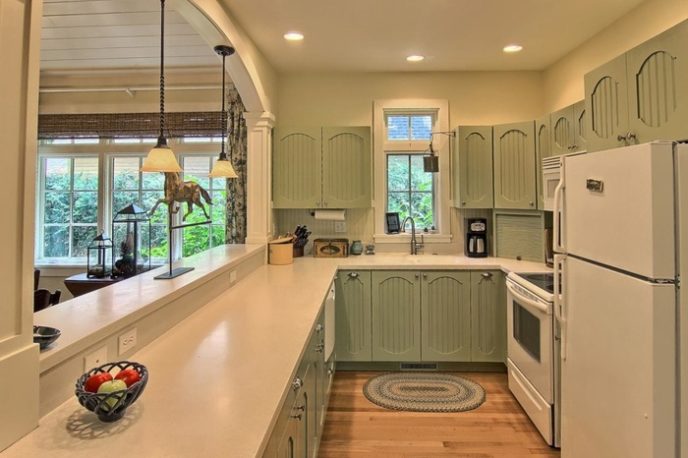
<point x="618" y="377"/>
<point x="619" y="208"/>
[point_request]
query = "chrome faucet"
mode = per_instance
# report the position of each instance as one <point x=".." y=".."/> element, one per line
<point x="414" y="243"/>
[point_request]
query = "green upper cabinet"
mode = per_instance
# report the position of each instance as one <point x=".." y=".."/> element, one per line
<point x="580" y="142"/>
<point x="657" y="74"/>
<point x="353" y="316"/>
<point x="446" y="316"/>
<point x="296" y="169"/>
<point x="514" y="165"/>
<point x="606" y="105"/>
<point x="488" y="317"/>
<point x="327" y="167"/>
<point x="542" y="150"/>
<point x="473" y="168"/>
<point x="346" y="162"/>
<point x="562" y="123"/>
<point x="396" y="316"/>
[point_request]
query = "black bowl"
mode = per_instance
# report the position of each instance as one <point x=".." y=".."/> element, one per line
<point x="44" y="336"/>
<point x="110" y="407"/>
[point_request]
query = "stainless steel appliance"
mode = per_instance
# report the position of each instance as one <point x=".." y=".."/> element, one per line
<point x="476" y="237"/>
<point x="533" y="350"/>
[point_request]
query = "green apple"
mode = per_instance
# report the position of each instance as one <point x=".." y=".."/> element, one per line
<point x="110" y="387"/>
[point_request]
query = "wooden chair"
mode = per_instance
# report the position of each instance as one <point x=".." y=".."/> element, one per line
<point x="42" y="299"/>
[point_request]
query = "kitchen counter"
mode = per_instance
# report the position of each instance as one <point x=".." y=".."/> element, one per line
<point x="218" y="378"/>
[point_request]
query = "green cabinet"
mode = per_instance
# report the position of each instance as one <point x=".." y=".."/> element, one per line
<point x="446" y="316"/>
<point x="580" y="142"/>
<point x="353" y="316"/>
<point x="327" y="167"/>
<point x="488" y="317"/>
<point x="542" y="150"/>
<point x="514" y="166"/>
<point x="641" y="95"/>
<point x="396" y="316"/>
<point x="568" y="129"/>
<point x="473" y="167"/>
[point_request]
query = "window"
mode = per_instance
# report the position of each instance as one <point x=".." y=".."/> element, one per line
<point x="409" y="127"/>
<point x="200" y="238"/>
<point x="410" y="190"/>
<point x="69" y="202"/>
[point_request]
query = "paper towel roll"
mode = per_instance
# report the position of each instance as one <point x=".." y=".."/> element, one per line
<point x="329" y="215"/>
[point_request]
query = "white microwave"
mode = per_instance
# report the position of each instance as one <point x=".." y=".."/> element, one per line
<point x="551" y="174"/>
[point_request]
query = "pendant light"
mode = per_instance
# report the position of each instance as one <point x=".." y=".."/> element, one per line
<point x="431" y="163"/>
<point x="161" y="158"/>
<point x="223" y="167"/>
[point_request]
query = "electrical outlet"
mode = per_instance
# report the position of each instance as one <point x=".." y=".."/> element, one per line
<point x="95" y="359"/>
<point x="232" y="276"/>
<point x="340" y="226"/>
<point x="127" y="341"/>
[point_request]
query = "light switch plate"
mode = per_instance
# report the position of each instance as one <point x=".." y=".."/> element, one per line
<point x="127" y="341"/>
<point x="340" y="226"/>
<point x="95" y="358"/>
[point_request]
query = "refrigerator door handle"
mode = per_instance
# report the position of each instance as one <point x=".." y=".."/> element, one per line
<point x="557" y="214"/>
<point x="559" y="303"/>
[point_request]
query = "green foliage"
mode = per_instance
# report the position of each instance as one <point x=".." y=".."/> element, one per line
<point x="410" y="189"/>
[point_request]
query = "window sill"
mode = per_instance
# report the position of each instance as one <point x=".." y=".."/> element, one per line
<point x="406" y="238"/>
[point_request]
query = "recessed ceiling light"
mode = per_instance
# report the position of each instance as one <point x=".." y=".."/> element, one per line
<point x="293" y="36"/>
<point x="512" y="48"/>
<point x="415" y="58"/>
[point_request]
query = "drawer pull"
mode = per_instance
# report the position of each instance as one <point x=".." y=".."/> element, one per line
<point x="297" y="384"/>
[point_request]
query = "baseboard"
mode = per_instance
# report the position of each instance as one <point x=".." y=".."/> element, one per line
<point x="437" y="367"/>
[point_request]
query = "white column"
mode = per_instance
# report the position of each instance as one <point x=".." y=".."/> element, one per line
<point x="259" y="181"/>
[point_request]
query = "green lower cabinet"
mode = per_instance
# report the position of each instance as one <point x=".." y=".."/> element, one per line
<point x="446" y="316"/>
<point x="488" y="317"/>
<point x="396" y="316"/>
<point x="353" y="316"/>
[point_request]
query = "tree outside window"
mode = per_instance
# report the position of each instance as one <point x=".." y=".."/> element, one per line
<point x="410" y="189"/>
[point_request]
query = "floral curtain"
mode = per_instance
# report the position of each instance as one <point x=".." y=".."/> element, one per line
<point x="237" y="152"/>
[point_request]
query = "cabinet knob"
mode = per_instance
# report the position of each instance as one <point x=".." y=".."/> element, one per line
<point x="353" y="274"/>
<point x="330" y="372"/>
<point x="486" y="275"/>
<point x="532" y="204"/>
<point x="621" y="138"/>
<point x="320" y="347"/>
<point x="300" y="408"/>
<point x="463" y="203"/>
<point x="296" y="417"/>
<point x="425" y="276"/>
<point x="319" y="328"/>
<point x="297" y="384"/>
<point x="416" y="276"/>
<point x="631" y="136"/>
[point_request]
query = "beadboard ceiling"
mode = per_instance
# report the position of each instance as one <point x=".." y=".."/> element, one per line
<point x="105" y="34"/>
<point x="377" y="35"/>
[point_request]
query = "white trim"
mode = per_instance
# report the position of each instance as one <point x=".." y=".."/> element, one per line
<point x="406" y="238"/>
<point x="441" y="145"/>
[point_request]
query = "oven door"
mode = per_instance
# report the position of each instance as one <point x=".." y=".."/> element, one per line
<point x="530" y="340"/>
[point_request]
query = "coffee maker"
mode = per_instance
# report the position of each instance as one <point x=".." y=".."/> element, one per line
<point x="476" y="237"/>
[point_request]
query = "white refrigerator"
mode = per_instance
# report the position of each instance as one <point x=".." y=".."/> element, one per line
<point x="621" y="222"/>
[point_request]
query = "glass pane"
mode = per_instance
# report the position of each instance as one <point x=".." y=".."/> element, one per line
<point x="85" y="207"/>
<point x="218" y="234"/>
<point x="148" y="202"/>
<point x="153" y="181"/>
<point x="218" y="183"/>
<point x="55" y="241"/>
<point x="56" y="208"/>
<point x="421" y="205"/>
<point x="86" y="173"/>
<point x="86" y="141"/>
<point x="122" y="199"/>
<point x="125" y="173"/>
<point x="158" y="243"/>
<point x="399" y="202"/>
<point x="527" y="330"/>
<point x="57" y="171"/>
<point x="397" y="172"/>
<point x="197" y="168"/>
<point x="82" y="236"/>
<point x="421" y="127"/>
<point x="219" y="207"/>
<point x="196" y="239"/>
<point x="397" y="127"/>
<point x="420" y="180"/>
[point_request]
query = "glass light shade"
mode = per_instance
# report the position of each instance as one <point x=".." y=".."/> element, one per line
<point x="223" y="169"/>
<point x="160" y="159"/>
<point x="431" y="164"/>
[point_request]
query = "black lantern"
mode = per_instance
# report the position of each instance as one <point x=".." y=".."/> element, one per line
<point x="97" y="265"/>
<point x="131" y="254"/>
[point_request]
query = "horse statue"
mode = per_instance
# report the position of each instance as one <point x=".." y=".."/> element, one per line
<point x="180" y="191"/>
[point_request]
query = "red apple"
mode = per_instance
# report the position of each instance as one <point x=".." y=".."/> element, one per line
<point x="93" y="382"/>
<point x="128" y="376"/>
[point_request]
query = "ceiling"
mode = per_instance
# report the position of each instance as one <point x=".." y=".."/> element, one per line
<point x="377" y="35"/>
<point x="102" y="34"/>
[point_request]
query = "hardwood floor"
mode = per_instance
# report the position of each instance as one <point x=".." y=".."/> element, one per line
<point x="355" y="427"/>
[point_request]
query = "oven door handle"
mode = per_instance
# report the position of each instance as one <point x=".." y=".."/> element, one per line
<point x="527" y="301"/>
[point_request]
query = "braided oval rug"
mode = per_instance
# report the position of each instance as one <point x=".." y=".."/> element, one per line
<point x="424" y="392"/>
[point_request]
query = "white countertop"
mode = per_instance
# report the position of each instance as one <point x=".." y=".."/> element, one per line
<point x="218" y="378"/>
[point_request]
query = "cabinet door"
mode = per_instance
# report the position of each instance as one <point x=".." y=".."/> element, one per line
<point x="353" y="316"/>
<point x="562" y="131"/>
<point x="542" y="150"/>
<point x="488" y="317"/>
<point x="514" y="165"/>
<point x="396" y="316"/>
<point x="346" y="167"/>
<point x="606" y="105"/>
<point x="658" y="88"/>
<point x="474" y="167"/>
<point x="288" y="446"/>
<point x="296" y="170"/>
<point x="580" y="142"/>
<point x="446" y="316"/>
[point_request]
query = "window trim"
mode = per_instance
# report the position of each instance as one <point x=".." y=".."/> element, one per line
<point x="382" y="147"/>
